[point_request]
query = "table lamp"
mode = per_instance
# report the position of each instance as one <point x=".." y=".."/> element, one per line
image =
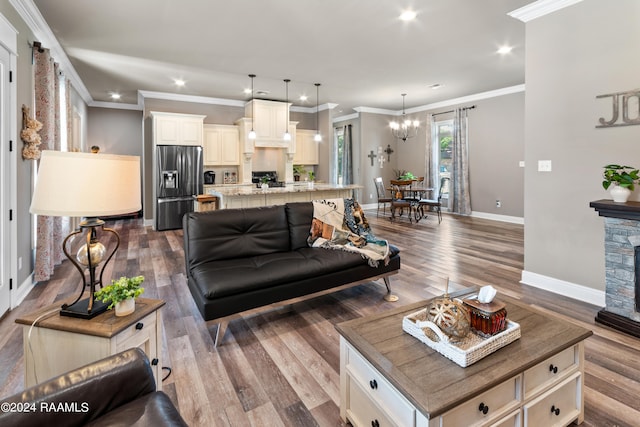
<point x="89" y="186"/>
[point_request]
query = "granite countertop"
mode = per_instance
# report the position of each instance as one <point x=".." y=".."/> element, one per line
<point x="247" y="190"/>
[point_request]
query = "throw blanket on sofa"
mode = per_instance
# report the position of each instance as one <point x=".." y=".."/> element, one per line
<point x="341" y="224"/>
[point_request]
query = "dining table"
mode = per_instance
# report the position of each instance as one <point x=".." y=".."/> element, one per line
<point x="411" y="191"/>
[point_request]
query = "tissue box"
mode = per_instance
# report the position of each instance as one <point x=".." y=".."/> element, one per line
<point x="487" y="319"/>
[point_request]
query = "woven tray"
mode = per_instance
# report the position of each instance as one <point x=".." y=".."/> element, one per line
<point x="465" y="352"/>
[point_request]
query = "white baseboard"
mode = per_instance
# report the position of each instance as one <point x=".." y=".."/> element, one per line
<point x="496" y="217"/>
<point x="21" y="293"/>
<point x="568" y="289"/>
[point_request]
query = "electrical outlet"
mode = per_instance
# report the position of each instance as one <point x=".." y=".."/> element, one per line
<point x="544" y="165"/>
<point x="19" y="263"/>
<point x="371" y="195"/>
<point x="498" y="203"/>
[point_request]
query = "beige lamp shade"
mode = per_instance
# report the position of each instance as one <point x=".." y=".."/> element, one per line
<point x="86" y="185"/>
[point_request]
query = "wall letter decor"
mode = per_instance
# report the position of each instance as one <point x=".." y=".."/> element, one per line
<point x="624" y="98"/>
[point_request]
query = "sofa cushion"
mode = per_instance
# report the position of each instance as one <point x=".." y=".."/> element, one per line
<point x="299" y="217"/>
<point x="235" y="233"/>
<point x="228" y="277"/>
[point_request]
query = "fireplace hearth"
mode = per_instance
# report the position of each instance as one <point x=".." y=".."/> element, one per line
<point x="622" y="265"/>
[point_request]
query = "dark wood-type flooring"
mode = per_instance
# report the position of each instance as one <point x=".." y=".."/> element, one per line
<point x="280" y="367"/>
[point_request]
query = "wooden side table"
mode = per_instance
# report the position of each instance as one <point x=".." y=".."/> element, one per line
<point x="59" y="343"/>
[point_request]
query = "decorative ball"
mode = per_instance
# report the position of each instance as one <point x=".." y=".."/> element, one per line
<point x="97" y="251"/>
<point x="452" y="317"/>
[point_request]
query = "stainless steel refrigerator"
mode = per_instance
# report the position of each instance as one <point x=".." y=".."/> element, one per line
<point x="179" y="178"/>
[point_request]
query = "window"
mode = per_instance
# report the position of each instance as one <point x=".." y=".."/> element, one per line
<point x="339" y="141"/>
<point x="442" y="157"/>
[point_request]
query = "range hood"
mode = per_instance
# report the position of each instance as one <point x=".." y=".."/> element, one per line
<point x="269" y="119"/>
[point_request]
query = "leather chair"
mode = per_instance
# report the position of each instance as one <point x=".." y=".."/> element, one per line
<point x="382" y="198"/>
<point x="119" y="390"/>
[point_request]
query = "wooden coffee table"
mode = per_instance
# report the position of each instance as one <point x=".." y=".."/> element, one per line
<point x="388" y="377"/>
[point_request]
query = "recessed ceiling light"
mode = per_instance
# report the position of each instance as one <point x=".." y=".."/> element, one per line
<point x="408" y="15"/>
<point x="247" y="91"/>
<point x="303" y="97"/>
<point x="179" y="82"/>
<point x="115" y="96"/>
<point x="436" y="86"/>
<point x="504" y="50"/>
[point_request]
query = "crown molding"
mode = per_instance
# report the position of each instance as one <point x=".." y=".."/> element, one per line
<point x="41" y="31"/>
<point x="540" y="8"/>
<point x="448" y="103"/>
<point x="311" y="110"/>
<point x="353" y="116"/>
<point x="143" y="94"/>
<point x="377" y="111"/>
<point x="115" y="105"/>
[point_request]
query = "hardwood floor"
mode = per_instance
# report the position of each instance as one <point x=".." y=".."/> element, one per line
<point x="280" y="367"/>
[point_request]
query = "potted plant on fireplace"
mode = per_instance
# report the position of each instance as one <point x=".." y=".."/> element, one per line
<point x="265" y="182"/>
<point x="620" y="181"/>
<point x="121" y="294"/>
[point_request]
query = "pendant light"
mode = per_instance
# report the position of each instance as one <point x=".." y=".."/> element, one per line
<point x="287" y="135"/>
<point x="252" y="133"/>
<point x="317" y="137"/>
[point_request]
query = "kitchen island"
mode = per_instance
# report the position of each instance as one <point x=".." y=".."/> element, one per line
<point x="248" y="196"/>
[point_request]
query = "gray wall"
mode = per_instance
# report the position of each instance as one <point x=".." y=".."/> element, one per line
<point x="573" y="55"/>
<point x="496" y="145"/>
<point x="115" y="131"/>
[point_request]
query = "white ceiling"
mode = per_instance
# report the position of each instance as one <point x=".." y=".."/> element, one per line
<point x="359" y="50"/>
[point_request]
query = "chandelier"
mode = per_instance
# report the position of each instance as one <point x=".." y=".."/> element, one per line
<point x="406" y="128"/>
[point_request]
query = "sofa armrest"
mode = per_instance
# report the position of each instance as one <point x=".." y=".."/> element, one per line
<point x="83" y="394"/>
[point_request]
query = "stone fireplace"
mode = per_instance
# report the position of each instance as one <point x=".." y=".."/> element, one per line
<point x="622" y="265"/>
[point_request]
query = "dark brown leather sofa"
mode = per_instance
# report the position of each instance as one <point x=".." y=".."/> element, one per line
<point x="116" y="391"/>
<point x="240" y="259"/>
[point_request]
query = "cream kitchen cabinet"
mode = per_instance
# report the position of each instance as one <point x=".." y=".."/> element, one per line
<point x="221" y="145"/>
<point x="270" y="119"/>
<point x="177" y="129"/>
<point x="306" y="148"/>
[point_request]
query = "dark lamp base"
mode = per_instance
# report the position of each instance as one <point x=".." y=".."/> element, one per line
<point x="80" y="309"/>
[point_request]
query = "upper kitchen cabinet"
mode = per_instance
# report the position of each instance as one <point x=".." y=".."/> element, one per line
<point x="270" y="119"/>
<point x="177" y="129"/>
<point x="221" y="145"/>
<point x="306" y="148"/>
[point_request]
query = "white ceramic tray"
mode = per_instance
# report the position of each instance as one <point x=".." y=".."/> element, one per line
<point x="465" y="352"/>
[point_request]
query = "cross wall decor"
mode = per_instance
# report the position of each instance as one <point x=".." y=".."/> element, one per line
<point x="372" y="156"/>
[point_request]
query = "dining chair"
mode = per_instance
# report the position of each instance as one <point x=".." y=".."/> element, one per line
<point x="435" y="203"/>
<point x="398" y="202"/>
<point x="382" y="197"/>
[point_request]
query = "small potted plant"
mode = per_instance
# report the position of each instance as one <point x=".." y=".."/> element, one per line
<point x="265" y="182"/>
<point x="298" y="171"/>
<point x="311" y="176"/>
<point x="121" y="294"/>
<point x="620" y="181"/>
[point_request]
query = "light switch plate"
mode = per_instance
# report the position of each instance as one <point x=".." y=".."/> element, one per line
<point x="521" y="163"/>
<point x="544" y="165"/>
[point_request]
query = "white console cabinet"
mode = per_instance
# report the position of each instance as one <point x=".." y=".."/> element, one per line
<point x="388" y="378"/>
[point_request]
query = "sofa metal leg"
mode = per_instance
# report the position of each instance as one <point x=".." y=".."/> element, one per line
<point x="389" y="296"/>
<point x="220" y="330"/>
